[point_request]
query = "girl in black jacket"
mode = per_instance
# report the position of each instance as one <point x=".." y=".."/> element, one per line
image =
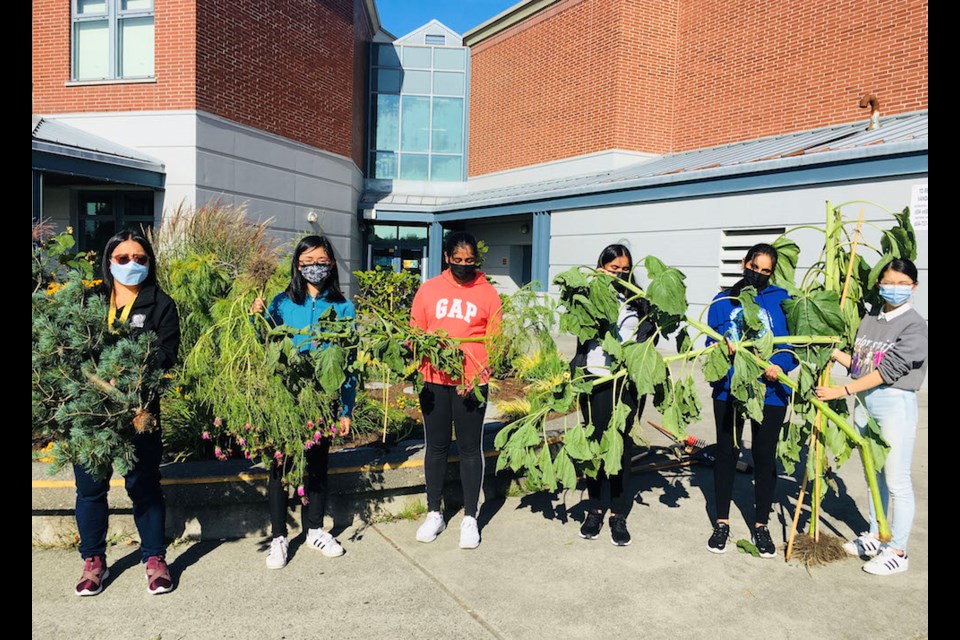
<point x="130" y="281"/>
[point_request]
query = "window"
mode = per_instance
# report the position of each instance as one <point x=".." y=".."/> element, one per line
<point x="733" y="247"/>
<point x="100" y="214"/>
<point x="432" y="39"/>
<point x="112" y="39"/>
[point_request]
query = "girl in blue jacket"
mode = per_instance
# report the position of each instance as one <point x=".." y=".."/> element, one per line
<point x="726" y="317"/>
<point x="314" y="287"/>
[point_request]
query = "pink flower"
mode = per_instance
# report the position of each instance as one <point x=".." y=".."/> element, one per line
<point x="304" y="500"/>
<point x="247" y="427"/>
<point x="316" y="436"/>
<point x="277" y="455"/>
<point x="217" y="422"/>
<point x="333" y="430"/>
<point x="241" y="442"/>
<point x="205" y="435"/>
<point x="300" y="491"/>
<point x="218" y="452"/>
<point x="248" y="456"/>
<point x="307" y="444"/>
<point x="309" y="425"/>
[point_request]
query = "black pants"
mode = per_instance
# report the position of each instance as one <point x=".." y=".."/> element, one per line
<point x="318" y="457"/>
<point x="597" y="409"/>
<point x="143" y="487"/>
<point x="442" y="410"/>
<point x="764" y="447"/>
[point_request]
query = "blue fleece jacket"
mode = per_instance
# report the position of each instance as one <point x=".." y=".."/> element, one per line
<point x="726" y="318"/>
<point x="283" y="310"/>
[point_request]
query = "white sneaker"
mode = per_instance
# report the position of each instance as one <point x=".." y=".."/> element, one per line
<point x="865" y="546"/>
<point x="469" y="533"/>
<point x="431" y="527"/>
<point x="324" y="542"/>
<point x="887" y="562"/>
<point x="277" y="557"/>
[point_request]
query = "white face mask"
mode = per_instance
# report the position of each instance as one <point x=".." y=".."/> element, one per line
<point x="130" y="274"/>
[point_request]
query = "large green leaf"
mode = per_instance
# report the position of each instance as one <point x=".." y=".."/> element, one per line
<point x="604" y="297"/>
<point x="716" y="363"/>
<point x="784" y="275"/>
<point x="745" y="385"/>
<point x="564" y="470"/>
<point x="667" y="290"/>
<point x="644" y="365"/>
<point x="764" y="345"/>
<point x="684" y="343"/>
<point x="611" y="451"/>
<point x="751" y="310"/>
<point x="876" y="443"/>
<point x="837" y="441"/>
<point x="877" y="268"/>
<point x="815" y="314"/>
<point x="548" y="476"/>
<point x="654" y="266"/>
<point x="330" y="365"/>
<point x="788" y="447"/>
<point x="576" y="445"/>
<point x="612" y="346"/>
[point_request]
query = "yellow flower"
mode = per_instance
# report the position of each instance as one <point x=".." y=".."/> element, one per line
<point x="91" y="283"/>
<point x="53" y="287"/>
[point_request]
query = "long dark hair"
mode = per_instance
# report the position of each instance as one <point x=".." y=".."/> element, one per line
<point x="900" y="265"/>
<point x="297" y="291"/>
<point x="123" y="236"/>
<point x="759" y="249"/>
<point x="610" y="253"/>
<point x="459" y="239"/>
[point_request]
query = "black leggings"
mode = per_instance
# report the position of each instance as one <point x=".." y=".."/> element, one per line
<point x="597" y="409"/>
<point x="318" y="457"/>
<point x="441" y="407"/>
<point x="764" y="447"/>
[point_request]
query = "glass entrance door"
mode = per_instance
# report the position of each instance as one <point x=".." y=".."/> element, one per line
<point x="398" y="248"/>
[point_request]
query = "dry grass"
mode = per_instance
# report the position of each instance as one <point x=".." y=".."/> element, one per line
<point x="813" y="553"/>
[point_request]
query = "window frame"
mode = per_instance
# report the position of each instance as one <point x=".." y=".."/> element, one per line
<point x="114" y="14"/>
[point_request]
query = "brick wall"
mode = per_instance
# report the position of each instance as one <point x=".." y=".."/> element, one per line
<point x="289" y="67"/>
<point x="589" y="75"/>
<point x="174" y="55"/>
<point x="753" y="68"/>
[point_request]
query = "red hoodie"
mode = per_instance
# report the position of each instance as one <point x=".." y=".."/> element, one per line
<point x="463" y="311"/>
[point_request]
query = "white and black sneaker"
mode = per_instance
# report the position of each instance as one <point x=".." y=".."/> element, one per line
<point x="887" y="562"/>
<point x="865" y="546"/>
<point x="324" y="542"/>
<point x="592" y="523"/>
<point x="718" y="539"/>
<point x="763" y="542"/>
<point x="277" y="556"/>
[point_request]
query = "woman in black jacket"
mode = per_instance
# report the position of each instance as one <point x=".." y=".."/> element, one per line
<point x="596" y="408"/>
<point x="130" y="281"/>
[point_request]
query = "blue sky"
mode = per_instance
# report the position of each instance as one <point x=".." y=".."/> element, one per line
<point x="400" y="17"/>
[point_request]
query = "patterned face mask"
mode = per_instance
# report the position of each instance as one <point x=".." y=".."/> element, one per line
<point x="316" y="274"/>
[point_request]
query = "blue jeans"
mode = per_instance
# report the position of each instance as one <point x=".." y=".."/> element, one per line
<point x="143" y="487"/>
<point x="895" y="410"/>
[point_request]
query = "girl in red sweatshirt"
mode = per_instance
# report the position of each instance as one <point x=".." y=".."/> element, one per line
<point x="461" y="302"/>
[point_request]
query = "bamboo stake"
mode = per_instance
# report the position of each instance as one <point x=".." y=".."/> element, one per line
<point x="853" y="255"/>
<point x="803" y="489"/>
<point x="386" y="395"/>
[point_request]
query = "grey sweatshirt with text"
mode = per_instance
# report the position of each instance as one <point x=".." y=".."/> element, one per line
<point x="896" y="348"/>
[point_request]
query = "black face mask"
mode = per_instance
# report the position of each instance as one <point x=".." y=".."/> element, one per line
<point x="755" y="279"/>
<point x="624" y="275"/>
<point x="464" y="272"/>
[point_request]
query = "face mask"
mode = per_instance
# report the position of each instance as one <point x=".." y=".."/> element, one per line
<point x="130" y="274"/>
<point x="464" y="272"/>
<point x="896" y="294"/>
<point x="316" y="274"/>
<point x="624" y="275"/>
<point x="755" y="279"/>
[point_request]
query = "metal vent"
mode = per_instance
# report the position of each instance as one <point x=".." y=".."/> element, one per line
<point x="440" y="40"/>
<point x="733" y="247"/>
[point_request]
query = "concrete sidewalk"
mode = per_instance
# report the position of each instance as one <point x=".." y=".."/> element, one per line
<point x="532" y="577"/>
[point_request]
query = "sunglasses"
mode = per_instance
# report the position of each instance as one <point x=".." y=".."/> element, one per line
<point x="139" y="258"/>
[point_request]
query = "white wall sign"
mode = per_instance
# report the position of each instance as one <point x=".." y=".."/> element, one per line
<point x="918" y="207"/>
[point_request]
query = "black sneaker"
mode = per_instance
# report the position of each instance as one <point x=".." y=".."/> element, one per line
<point x="618" y="530"/>
<point x="592" y="525"/>
<point x="718" y="540"/>
<point x="763" y="542"/>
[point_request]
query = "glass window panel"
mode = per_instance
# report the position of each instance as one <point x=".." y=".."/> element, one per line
<point x="388" y="80"/>
<point x="413" y="233"/>
<point x="384" y="232"/>
<point x="416" y="82"/>
<point x="136" y="5"/>
<point x="448" y="125"/>
<point x="447" y="168"/>
<point x="415" y="124"/>
<point x="449" y="58"/>
<point x="138" y="205"/>
<point x="434" y="39"/>
<point x="417" y="57"/>
<point x="93" y="49"/>
<point x="448" y="83"/>
<point x="86" y="7"/>
<point x="136" y="47"/>
<point x="413" y="166"/>
<point x="385" y="166"/>
<point x="387" y="122"/>
<point x="388" y="56"/>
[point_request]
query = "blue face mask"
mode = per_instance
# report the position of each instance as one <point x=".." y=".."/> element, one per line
<point x="130" y="274"/>
<point x="896" y="294"/>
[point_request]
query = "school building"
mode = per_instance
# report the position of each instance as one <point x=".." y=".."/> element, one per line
<point x="687" y="129"/>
